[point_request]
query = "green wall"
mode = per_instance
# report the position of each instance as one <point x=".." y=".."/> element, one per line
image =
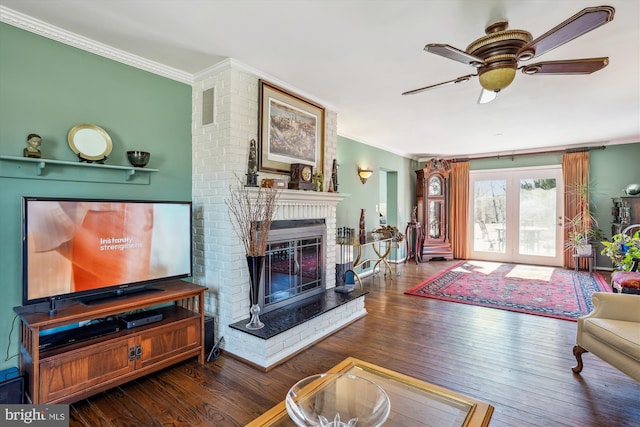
<point x="401" y="182"/>
<point x="611" y="171"/>
<point x="46" y="88"/>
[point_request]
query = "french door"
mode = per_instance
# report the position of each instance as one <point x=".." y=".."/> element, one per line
<point x="516" y="215"/>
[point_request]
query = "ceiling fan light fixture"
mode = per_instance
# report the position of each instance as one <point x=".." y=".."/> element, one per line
<point x="497" y="78"/>
<point x="497" y="54"/>
<point x="487" y="96"/>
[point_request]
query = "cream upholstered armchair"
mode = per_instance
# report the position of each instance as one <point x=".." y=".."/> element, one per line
<point x="611" y="332"/>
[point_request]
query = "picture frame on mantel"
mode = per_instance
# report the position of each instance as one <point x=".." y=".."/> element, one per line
<point x="291" y="130"/>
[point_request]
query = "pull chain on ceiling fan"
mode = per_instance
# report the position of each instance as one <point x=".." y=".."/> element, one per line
<point x="497" y="54"/>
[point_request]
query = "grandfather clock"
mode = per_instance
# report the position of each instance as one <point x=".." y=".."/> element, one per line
<point x="432" y="189"/>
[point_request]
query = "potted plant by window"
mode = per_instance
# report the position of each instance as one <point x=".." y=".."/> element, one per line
<point x="582" y="228"/>
<point x="583" y="234"/>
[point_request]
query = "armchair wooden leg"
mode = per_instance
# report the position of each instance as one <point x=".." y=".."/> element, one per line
<point x="577" y="352"/>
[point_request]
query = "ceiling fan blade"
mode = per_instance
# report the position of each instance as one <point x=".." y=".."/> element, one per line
<point x="451" y="52"/>
<point x="571" y="66"/>
<point x="487" y="96"/>
<point x="450" y="82"/>
<point x="582" y="22"/>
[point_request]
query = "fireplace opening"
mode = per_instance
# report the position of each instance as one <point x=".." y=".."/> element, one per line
<point x="294" y="262"/>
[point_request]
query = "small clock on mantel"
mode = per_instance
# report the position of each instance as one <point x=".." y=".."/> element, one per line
<point x="301" y="177"/>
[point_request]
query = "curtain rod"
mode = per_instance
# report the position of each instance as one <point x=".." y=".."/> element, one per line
<point x="537" y="153"/>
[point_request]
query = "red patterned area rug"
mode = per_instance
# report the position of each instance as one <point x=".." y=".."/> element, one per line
<point x="543" y="291"/>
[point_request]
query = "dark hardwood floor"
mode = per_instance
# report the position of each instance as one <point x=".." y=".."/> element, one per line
<point x="521" y="364"/>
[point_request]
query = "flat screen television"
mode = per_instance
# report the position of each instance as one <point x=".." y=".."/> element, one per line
<point x="90" y="248"/>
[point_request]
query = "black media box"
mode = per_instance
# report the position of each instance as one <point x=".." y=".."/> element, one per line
<point x="138" y="319"/>
<point x="11" y="387"/>
<point x="209" y="332"/>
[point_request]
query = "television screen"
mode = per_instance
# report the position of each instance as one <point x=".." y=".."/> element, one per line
<point x="79" y="247"/>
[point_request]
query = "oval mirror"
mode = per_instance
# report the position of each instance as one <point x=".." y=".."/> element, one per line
<point x="89" y="142"/>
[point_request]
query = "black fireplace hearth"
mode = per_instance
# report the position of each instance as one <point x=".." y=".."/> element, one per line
<point x="294" y="314"/>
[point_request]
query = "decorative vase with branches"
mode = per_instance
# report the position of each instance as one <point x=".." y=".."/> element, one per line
<point x="251" y="212"/>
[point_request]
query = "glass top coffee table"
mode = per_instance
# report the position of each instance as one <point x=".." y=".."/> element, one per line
<point x="413" y="402"/>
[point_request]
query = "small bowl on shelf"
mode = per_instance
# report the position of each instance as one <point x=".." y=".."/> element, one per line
<point x="138" y="159"/>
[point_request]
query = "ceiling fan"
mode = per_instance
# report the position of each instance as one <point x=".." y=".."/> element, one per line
<point x="497" y="54"/>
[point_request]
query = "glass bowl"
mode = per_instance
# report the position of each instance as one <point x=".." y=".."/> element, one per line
<point x="337" y="400"/>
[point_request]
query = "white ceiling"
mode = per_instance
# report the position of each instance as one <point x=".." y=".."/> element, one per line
<point x="357" y="57"/>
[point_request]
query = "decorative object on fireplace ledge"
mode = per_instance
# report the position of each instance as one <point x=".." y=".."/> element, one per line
<point x="301" y="177"/>
<point x="252" y="165"/>
<point x="291" y="130"/>
<point x="318" y="181"/>
<point x="274" y="183"/>
<point x="333" y="186"/>
<point x="251" y="213"/>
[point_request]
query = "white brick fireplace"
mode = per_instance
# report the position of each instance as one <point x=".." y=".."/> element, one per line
<point x="220" y="152"/>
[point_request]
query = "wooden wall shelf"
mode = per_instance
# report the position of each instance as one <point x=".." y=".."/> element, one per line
<point x="61" y="170"/>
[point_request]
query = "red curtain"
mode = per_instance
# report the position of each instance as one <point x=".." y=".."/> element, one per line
<point x="459" y="209"/>
<point x="575" y="173"/>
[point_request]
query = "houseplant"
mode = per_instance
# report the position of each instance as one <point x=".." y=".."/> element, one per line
<point x="582" y="228"/>
<point x="251" y="212"/>
<point x="623" y="249"/>
<point x="581" y="236"/>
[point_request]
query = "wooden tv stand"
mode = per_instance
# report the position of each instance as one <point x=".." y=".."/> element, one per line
<point x="75" y="371"/>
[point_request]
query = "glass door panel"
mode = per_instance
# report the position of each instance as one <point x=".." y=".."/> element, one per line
<point x="490" y="198"/>
<point x="515" y="214"/>
<point x="537" y="219"/>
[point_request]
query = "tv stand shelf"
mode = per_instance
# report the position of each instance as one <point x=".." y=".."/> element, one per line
<point x="75" y="371"/>
<point x="61" y="170"/>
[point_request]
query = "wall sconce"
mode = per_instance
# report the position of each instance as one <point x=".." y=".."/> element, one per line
<point x="364" y="174"/>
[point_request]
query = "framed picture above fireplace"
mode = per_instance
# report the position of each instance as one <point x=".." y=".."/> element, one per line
<point x="291" y="130"/>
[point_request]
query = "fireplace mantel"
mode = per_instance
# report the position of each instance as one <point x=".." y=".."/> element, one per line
<point x="301" y="197"/>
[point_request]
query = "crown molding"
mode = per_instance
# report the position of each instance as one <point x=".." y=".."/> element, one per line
<point x="36" y="26"/>
<point x="234" y="64"/>
<point x="391" y="150"/>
